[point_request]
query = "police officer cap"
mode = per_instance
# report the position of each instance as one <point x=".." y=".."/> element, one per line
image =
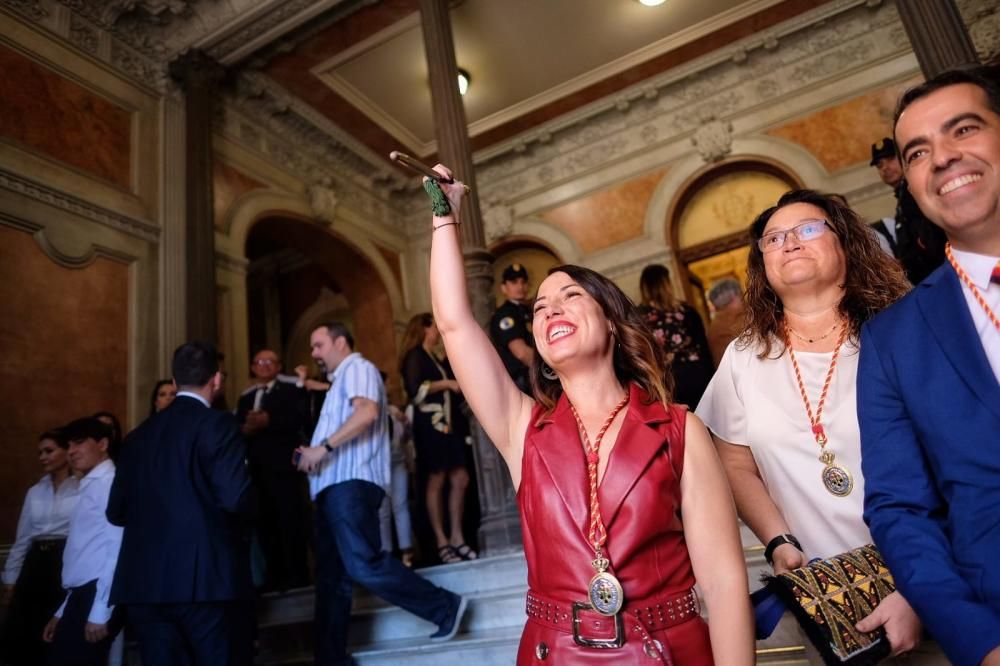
<point x="513" y="272"/>
<point x="879" y="152"/>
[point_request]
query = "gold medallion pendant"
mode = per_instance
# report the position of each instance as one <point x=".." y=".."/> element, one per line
<point x="606" y="594"/>
<point x="838" y="480"/>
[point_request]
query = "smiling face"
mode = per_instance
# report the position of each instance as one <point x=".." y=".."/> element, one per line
<point x="51" y="456"/>
<point x="950" y="143"/>
<point x="803" y="264"/>
<point x="569" y="323"/>
<point x="265" y="366"/>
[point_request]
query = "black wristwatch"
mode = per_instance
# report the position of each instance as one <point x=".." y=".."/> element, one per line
<point x="779" y="540"/>
<point x="326" y="445"/>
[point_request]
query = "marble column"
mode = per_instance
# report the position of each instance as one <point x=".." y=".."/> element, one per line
<point x="199" y="75"/>
<point x="500" y="530"/>
<point x="173" y="206"/>
<point x="937" y="34"/>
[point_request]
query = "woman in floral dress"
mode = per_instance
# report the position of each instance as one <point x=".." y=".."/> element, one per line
<point x="679" y="330"/>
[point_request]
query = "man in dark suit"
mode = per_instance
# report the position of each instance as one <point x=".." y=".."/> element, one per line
<point x="929" y="377"/>
<point x="274" y="417"/>
<point x="183" y="496"/>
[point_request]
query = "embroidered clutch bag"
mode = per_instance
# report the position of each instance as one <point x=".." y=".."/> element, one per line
<point x="828" y="597"/>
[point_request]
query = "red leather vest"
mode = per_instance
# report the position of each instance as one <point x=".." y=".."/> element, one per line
<point x="640" y="505"/>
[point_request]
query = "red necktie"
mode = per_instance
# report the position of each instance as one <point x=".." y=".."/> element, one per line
<point x="995" y="275"/>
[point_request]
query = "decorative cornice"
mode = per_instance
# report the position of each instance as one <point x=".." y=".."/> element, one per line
<point x="267" y="127"/>
<point x="806" y="52"/>
<point x="232" y="264"/>
<point x="18" y="184"/>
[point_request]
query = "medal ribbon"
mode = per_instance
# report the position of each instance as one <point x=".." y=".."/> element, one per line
<point x="597" y="534"/>
<point x="815" y="420"/>
<point x="972" y="286"/>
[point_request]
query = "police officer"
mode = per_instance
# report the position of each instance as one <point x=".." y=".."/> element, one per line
<point x="914" y="240"/>
<point x="510" y="327"/>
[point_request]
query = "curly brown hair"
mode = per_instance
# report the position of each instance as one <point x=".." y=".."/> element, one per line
<point x="637" y="356"/>
<point x="873" y="279"/>
<point x="413" y="337"/>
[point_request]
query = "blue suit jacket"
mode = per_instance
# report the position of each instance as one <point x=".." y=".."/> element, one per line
<point x="929" y="408"/>
<point x="183" y="495"/>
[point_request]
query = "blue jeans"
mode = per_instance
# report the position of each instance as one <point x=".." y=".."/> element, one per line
<point x="348" y="551"/>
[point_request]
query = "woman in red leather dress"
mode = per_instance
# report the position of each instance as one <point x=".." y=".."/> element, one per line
<point x="623" y="501"/>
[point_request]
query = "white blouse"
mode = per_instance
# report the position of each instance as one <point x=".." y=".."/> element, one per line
<point x="45" y="515"/>
<point x="756" y="403"/>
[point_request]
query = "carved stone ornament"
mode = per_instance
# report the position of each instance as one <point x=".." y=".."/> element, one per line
<point x="323" y="201"/>
<point x="714" y="139"/>
<point x="498" y="221"/>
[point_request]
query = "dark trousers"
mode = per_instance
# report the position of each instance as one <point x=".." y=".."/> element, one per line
<point x="37" y="596"/>
<point x="70" y="646"/>
<point x="202" y="634"/>
<point x="281" y="528"/>
<point x="348" y="551"/>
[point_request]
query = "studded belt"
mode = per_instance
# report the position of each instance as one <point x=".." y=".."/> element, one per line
<point x="655" y="613"/>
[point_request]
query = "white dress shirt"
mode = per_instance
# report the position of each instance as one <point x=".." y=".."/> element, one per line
<point x="93" y="543"/>
<point x="195" y="396"/>
<point x="45" y="515"/>
<point x="979" y="267"/>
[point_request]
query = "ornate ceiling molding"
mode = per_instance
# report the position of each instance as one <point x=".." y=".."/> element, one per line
<point x="18" y="184"/>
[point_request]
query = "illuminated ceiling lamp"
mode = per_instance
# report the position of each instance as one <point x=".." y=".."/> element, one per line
<point x="463" y="81"/>
<point x="652" y="3"/>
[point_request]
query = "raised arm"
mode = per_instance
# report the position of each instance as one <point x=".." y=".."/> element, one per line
<point x="713" y="539"/>
<point x="501" y="408"/>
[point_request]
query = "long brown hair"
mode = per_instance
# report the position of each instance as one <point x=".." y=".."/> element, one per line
<point x="873" y="280"/>
<point x="654" y="285"/>
<point x="413" y="336"/>
<point x="637" y="356"/>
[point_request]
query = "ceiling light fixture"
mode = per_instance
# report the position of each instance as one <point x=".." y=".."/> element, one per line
<point x="463" y="81"/>
<point x="652" y="3"/>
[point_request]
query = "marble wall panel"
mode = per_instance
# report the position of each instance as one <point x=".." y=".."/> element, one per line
<point x="609" y="217"/>
<point x="228" y="185"/>
<point x="395" y="265"/>
<point x="64" y="336"/>
<point x="842" y="135"/>
<point x="55" y="116"/>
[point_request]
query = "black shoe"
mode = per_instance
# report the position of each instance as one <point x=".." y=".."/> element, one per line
<point x="447" y="631"/>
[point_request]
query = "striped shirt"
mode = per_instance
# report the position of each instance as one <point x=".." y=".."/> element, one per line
<point x="366" y="457"/>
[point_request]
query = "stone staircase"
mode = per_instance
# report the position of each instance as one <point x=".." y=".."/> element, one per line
<point x="384" y="635"/>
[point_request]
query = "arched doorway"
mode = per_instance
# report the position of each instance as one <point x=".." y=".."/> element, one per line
<point x="301" y="274"/>
<point x="708" y="222"/>
<point x="536" y="257"/>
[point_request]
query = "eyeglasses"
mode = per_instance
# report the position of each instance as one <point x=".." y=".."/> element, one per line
<point x="807" y="231"/>
<point x="265" y="361"/>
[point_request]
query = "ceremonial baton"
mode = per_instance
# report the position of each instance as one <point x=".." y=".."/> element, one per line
<point x="420" y="167"/>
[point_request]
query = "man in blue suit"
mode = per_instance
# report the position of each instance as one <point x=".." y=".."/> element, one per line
<point x="183" y="495"/>
<point x="929" y="377"/>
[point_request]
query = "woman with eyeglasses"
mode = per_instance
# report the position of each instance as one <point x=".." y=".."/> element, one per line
<point x="782" y="406"/>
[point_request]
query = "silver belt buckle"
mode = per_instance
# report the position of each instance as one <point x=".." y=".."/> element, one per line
<point x="616" y="642"/>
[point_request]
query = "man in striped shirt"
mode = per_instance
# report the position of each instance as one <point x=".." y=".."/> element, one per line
<point x="348" y="467"/>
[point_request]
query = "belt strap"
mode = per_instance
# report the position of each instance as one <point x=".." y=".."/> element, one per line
<point x="655" y="613"/>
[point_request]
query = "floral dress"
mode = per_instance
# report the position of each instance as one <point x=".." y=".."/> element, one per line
<point x="682" y="335"/>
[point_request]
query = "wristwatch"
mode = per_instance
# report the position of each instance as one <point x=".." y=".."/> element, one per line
<point x="779" y="540"/>
<point x="326" y="445"/>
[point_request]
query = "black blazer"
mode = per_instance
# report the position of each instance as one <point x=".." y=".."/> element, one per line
<point x="272" y="447"/>
<point x="184" y="497"/>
